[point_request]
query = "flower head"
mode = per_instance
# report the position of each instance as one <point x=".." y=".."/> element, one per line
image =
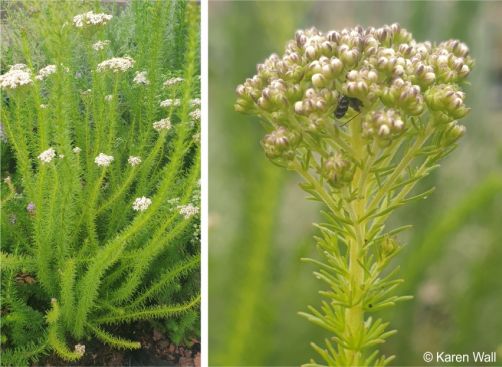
<point x="141" y="78"/>
<point x="141" y="204"/>
<point x="195" y="115"/>
<point x="47" y="155"/>
<point x="188" y="210"/>
<point x="17" y="76"/>
<point x="80" y="349"/>
<point x="103" y="160"/>
<point x="91" y="19"/>
<point x="164" y="124"/>
<point x="45" y="72"/>
<point x="170" y="102"/>
<point x="116" y="64"/>
<point x="134" y="161"/>
<point x="100" y="45"/>
<point x="392" y="77"/>
<point x="173" y="81"/>
<point x="31" y="208"/>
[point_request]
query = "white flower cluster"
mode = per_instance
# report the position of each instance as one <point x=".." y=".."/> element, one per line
<point x="80" y="349"/>
<point x="76" y="150"/>
<point x="17" y="76"/>
<point x="188" y="210"/>
<point x="164" y="124"/>
<point x="173" y="81"/>
<point x="171" y="103"/>
<point x="91" y="18"/>
<point x="47" y="155"/>
<point x="141" y="204"/>
<point x="134" y="161"/>
<point x="45" y="72"/>
<point x="98" y="46"/>
<point x="195" y="115"/>
<point x="195" y="102"/>
<point x="103" y="160"/>
<point x="109" y="97"/>
<point x="116" y="64"/>
<point x="43" y="106"/>
<point x="141" y="78"/>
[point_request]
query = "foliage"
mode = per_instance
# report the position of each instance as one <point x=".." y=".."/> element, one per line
<point x="100" y="189"/>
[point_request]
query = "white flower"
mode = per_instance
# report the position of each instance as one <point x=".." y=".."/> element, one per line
<point x="188" y="210"/>
<point x="45" y="72"/>
<point x="141" y="204"/>
<point x="47" y="155"/>
<point x="43" y="106"/>
<point x="170" y="102"/>
<point x="76" y="150"/>
<point x="195" y="102"/>
<point x="15" y="77"/>
<point x="134" y="161"/>
<point x="98" y="46"/>
<point x="195" y="114"/>
<point x="103" y="160"/>
<point x="141" y="78"/>
<point x="108" y="98"/>
<point x="61" y="156"/>
<point x="91" y="18"/>
<point x="173" y="81"/>
<point x="164" y="124"/>
<point x="80" y="349"/>
<point x="116" y="64"/>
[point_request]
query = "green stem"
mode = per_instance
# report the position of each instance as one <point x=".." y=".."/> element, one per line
<point x="354" y="315"/>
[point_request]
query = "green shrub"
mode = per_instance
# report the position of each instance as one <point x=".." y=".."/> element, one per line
<point x="100" y="169"/>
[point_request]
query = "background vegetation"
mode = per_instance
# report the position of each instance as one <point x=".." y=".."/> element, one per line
<point x="260" y="224"/>
<point x="77" y="261"/>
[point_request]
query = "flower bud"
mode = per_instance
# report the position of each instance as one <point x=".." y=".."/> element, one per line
<point x="338" y="170"/>
<point x="453" y="132"/>
<point x="280" y="143"/>
<point x="319" y="81"/>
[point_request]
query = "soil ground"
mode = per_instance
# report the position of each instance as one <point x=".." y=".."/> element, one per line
<point x="156" y="350"/>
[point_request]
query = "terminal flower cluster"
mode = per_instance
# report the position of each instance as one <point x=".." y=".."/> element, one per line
<point x="395" y="78"/>
<point x="116" y="64"/>
<point x="90" y="18"/>
<point x="17" y="76"/>
<point x="100" y="45"/>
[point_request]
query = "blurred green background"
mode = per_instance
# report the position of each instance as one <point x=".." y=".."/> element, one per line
<point x="260" y="224"/>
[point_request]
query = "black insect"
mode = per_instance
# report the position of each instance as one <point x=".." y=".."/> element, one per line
<point x="343" y="106"/>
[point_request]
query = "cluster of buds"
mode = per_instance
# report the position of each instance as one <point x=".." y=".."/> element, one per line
<point x="338" y="170"/>
<point x="280" y="145"/>
<point x="446" y="102"/>
<point x="383" y="125"/>
<point x="405" y="96"/>
<point x="384" y="68"/>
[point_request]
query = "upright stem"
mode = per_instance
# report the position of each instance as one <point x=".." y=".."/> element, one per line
<point x="354" y="315"/>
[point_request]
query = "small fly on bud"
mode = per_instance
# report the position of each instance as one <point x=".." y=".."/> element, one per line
<point x="343" y="106"/>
